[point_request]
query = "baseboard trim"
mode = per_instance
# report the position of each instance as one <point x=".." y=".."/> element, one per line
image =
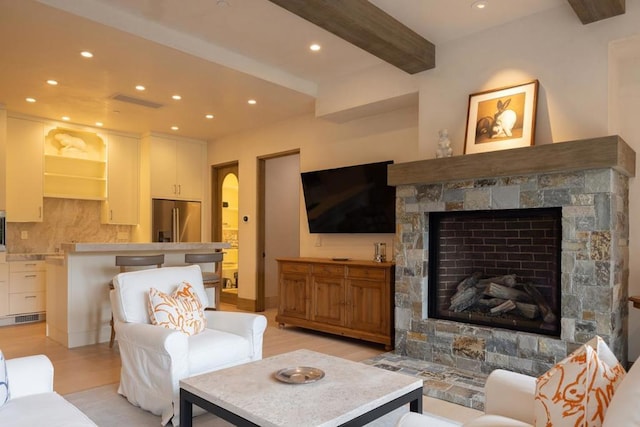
<point x="246" y="304"/>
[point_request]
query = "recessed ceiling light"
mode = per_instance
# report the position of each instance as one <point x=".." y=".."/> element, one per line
<point x="140" y="88"/>
<point x="52" y="82"/>
<point x="315" y="47"/>
<point x="177" y="97"/>
<point x="175" y="128"/>
<point x="209" y="116"/>
<point x="99" y="124"/>
<point x="65" y="118"/>
<point x="86" y="54"/>
<point x="480" y="4"/>
<point x="252" y="102"/>
<point x="31" y="100"/>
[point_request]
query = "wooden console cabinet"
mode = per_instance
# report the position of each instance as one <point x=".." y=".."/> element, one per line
<point x="350" y="298"/>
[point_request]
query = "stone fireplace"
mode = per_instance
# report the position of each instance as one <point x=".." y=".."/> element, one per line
<point x="586" y="182"/>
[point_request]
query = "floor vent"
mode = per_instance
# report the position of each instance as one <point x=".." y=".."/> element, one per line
<point x="27" y="318"/>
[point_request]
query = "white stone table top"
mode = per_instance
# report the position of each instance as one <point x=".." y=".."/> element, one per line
<point x="348" y="390"/>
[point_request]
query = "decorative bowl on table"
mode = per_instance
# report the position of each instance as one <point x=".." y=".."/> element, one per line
<point x="299" y="375"/>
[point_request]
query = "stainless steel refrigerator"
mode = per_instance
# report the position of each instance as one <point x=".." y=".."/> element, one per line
<point x="175" y="221"/>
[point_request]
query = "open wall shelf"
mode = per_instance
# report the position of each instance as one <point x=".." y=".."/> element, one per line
<point x="75" y="165"/>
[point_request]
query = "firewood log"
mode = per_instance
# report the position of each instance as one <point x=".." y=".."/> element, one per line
<point x="548" y="316"/>
<point x="490" y="302"/>
<point x="503" y="308"/>
<point x="469" y="281"/>
<point x="464" y="299"/>
<point x="530" y="311"/>
<point x="506" y="280"/>
<point x="504" y="292"/>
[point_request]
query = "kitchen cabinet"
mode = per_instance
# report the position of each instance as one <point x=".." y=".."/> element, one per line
<point x="122" y="204"/>
<point x="75" y="164"/>
<point x="177" y="169"/>
<point x="350" y="298"/>
<point x="24" y="170"/>
<point x="4" y="289"/>
<point x="27" y="287"/>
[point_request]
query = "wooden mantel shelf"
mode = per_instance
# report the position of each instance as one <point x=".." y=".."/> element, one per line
<point x="595" y="153"/>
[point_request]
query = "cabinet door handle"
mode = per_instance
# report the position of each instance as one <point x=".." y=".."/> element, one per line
<point x="30" y="296"/>
<point x="175" y="189"/>
<point x="30" y="264"/>
<point x="40" y="212"/>
<point x="30" y="276"/>
<point x="179" y="188"/>
<point x="110" y="214"/>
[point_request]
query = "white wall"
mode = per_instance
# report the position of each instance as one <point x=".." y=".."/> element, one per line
<point x="3" y="157"/>
<point x="624" y="98"/>
<point x="322" y="144"/>
<point x="575" y="101"/>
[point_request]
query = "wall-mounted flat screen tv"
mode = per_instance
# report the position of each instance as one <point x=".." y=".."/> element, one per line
<point x="353" y="199"/>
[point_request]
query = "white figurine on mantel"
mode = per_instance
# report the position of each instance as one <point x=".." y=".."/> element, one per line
<point x="444" y="145"/>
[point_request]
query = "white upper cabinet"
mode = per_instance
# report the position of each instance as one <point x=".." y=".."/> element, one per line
<point x="24" y="170"/>
<point x="177" y="169"/>
<point x="122" y="204"/>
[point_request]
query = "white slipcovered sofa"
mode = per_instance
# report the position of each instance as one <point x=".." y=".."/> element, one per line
<point x="155" y="359"/>
<point x="509" y="402"/>
<point x="33" y="401"/>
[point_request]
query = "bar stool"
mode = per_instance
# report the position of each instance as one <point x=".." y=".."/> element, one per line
<point x="124" y="261"/>
<point x="210" y="279"/>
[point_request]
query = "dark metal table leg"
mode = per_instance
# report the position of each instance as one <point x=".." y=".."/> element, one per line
<point x="186" y="410"/>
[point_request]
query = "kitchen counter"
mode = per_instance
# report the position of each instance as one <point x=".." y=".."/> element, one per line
<point x="78" y="307"/>
<point x="137" y="247"/>
<point x="26" y="257"/>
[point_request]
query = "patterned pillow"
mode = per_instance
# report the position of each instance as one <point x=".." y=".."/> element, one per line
<point x="182" y="310"/>
<point x="577" y="391"/>
<point x="4" y="381"/>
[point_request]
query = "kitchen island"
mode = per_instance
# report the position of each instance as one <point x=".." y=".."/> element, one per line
<point x="78" y="307"/>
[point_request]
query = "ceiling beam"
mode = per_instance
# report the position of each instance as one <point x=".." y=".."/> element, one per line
<point x="368" y="27"/>
<point x="595" y="10"/>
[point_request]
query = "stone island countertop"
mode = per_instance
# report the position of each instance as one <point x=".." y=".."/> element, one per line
<point x="140" y="247"/>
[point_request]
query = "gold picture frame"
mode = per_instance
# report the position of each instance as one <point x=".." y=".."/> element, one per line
<point x="501" y="119"/>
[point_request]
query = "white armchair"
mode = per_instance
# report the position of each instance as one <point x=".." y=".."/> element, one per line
<point x="155" y="358"/>
<point x="509" y="402"/>
<point x="33" y="401"/>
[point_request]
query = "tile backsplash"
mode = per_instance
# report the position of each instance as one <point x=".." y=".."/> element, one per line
<point x="64" y="221"/>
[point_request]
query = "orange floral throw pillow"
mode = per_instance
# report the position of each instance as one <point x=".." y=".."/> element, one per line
<point x="182" y="310"/>
<point x="577" y="391"/>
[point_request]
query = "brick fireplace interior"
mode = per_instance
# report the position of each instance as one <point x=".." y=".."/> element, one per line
<point x="496" y="268"/>
<point x="586" y="284"/>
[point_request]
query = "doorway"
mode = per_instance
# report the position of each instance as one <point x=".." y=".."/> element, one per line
<point x="225" y="187"/>
<point x="279" y="225"/>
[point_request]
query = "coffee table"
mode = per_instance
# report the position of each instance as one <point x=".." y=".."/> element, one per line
<point x="350" y="394"/>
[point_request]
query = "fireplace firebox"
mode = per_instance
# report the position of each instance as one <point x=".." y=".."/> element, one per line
<point x="498" y="268"/>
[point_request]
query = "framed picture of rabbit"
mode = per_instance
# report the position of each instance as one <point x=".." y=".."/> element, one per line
<point x="501" y="119"/>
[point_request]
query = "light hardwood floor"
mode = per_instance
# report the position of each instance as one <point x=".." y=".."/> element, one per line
<point x="91" y="366"/>
<point x="95" y="365"/>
